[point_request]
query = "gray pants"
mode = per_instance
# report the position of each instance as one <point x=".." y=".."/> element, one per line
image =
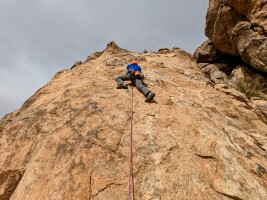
<point x="138" y="82"/>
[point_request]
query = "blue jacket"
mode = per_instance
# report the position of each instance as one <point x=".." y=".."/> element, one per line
<point x="135" y="67"/>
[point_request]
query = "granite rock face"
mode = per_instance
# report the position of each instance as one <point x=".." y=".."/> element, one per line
<point x="239" y="28"/>
<point x="70" y="140"/>
<point x="207" y="53"/>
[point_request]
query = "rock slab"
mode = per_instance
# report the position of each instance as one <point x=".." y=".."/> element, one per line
<point x="70" y="140"/>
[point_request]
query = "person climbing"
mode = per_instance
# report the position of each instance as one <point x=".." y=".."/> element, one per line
<point x="134" y="74"/>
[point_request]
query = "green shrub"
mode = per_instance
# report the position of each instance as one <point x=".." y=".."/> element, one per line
<point x="252" y="88"/>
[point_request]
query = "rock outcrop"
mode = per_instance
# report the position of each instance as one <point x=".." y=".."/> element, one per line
<point x="207" y="53"/>
<point x="239" y="28"/>
<point x="70" y="140"/>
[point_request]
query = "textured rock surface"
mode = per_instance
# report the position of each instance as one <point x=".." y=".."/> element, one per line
<point x="239" y="28"/>
<point x="206" y="53"/>
<point x="242" y="72"/>
<point x="70" y="140"/>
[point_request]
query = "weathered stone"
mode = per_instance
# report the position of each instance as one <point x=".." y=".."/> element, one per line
<point x="60" y="73"/>
<point x="93" y="56"/>
<point x="8" y="181"/>
<point x="221" y="66"/>
<point x="237" y="28"/>
<point x="207" y="53"/>
<point x="71" y="140"/>
<point x="124" y="60"/>
<point x="164" y="50"/>
<point x="140" y="59"/>
<point x="262" y="104"/>
<point x="217" y="75"/>
<point x="76" y="64"/>
<point x="113" y="48"/>
<point x="208" y="69"/>
<point x="262" y="107"/>
<point x="259" y="30"/>
<point x="238" y="74"/>
<point x="202" y="65"/>
<point x="242" y="72"/>
<point x="115" y="62"/>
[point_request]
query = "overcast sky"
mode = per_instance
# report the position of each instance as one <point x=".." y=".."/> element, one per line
<point x="40" y="37"/>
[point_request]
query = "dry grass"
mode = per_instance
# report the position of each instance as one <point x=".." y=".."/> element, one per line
<point x="252" y="88"/>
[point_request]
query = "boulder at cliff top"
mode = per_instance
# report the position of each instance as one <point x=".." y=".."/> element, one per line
<point x="207" y="53"/>
<point x="239" y="27"/>
<point x="70" y="140"/>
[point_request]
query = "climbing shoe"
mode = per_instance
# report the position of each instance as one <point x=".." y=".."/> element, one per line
<point x="150" y="97"/>
<point x="122" y="87"/>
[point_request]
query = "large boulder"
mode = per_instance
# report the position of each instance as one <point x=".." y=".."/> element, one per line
<point x="207" y="52"/>
<point x="239" y="28"/>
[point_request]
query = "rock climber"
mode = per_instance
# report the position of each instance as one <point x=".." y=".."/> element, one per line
<point x="134" y="74"/>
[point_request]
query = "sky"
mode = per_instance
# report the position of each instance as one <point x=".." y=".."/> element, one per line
<point x="41" y="37"/>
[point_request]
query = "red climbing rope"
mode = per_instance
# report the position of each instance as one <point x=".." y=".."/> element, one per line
<point x="130" y="184"/>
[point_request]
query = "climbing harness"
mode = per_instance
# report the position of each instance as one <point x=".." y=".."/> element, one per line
<point x="130" y="183"/>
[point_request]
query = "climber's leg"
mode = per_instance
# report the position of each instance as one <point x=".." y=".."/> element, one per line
<point x="120" y="81"/>
<point x="140" y="86"/>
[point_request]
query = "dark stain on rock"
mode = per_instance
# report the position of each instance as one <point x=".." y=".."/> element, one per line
<point x="93" y="56"/>
<point x="64" y="148"/>
<point x="54" y="111"/>
<point x="77" y="165"/>
<point x="38" y="127"/>
<point x="249" y="154"/>
<point x="8" y="182"/>
<point x="40" y="113"/>
<point x="30" y="101"/>
<point x="94" y="109"/>
<point x="261" y="169"/>
<point x="76" y="110"/>
<point x="93" y="134"/>
<point x="206" y="156"/>
<point x="93" y="105"/>
<point x="230" y="196"/>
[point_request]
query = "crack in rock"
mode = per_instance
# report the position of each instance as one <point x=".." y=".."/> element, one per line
<point x="106" y="187"/>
